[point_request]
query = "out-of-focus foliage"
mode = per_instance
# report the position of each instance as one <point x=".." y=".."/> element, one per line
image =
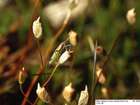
<point x="103" y="20"/>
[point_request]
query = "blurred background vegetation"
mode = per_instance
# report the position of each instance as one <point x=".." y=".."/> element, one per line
<point x="102" y="20"/>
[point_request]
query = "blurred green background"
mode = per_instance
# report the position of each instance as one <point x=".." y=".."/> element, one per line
<point x="102" y="20"/>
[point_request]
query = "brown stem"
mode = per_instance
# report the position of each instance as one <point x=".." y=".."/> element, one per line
<point x="111" y="50"/>
<point x="107" y="58"/>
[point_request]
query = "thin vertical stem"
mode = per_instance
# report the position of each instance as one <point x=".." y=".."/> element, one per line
<point x="93" y="50"/>
<point x="94" y="76"/>
<point x="133" y="36"/>
<point x="40" y="54"/>
<point x="108" y="57"/>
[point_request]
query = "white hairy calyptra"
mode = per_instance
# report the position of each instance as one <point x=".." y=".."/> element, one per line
<point x="42" y="93"/>
<point x="64" y="57"/>
<point x="37" y="28"/>
<point x="131" y="16"/>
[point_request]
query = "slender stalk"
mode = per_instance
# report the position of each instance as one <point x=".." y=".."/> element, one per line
<point x="108" y="57"/>
<point x="93" y="50"/>
<point x="94" y="75"/>
<point x="111" y="50"/>
<point x="25" y="95"/>
<point x="46" y="82"/>
<point x="90" y="41"/>
<point x="133" y="36"/>
<point x="39" y="49"/>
